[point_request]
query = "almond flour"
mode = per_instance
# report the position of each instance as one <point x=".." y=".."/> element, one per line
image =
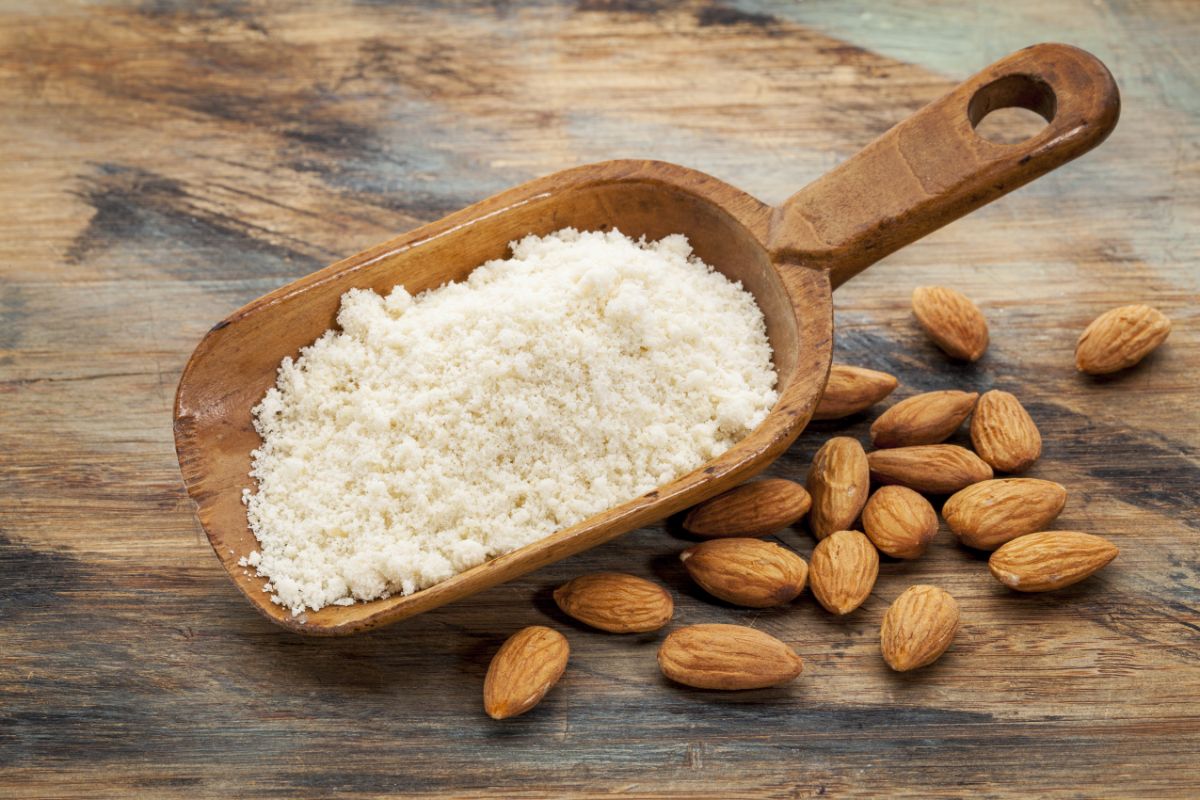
<point x="434" y="432"/>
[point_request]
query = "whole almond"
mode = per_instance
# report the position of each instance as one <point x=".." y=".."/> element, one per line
<point x="931" y="468"/>
<point x="616" y="602"/>
<point x="746" y="572"/>
<point x="918" y="627"/>
<point x="926" y="418"/>
<point x="850" y="390"/>
<point x="727" y="657"/>
<point x="1041" y="562"/>
<point x="838" y="482"/>
<point x="843" y="571"/>
<point x="1120" y="338"/>
<point x="523" y="670"/>
<point x="987" y="514"/>
<point x="1004" y="434"/>
<point x="752" y="509"/>
<point x="953" y="322"/>
<point x="899" y="522"/>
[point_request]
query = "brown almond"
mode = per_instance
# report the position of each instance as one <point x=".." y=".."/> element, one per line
<point x="931" y="468"/>
<point x="953" y="322"/>
<point x="918" y="627"/>
<point x="987" y="514"/>
<point x="746" y="572"/>
<point x="752" y="509"/>
<point x="899" y="522"/>
<point x="1042" y="562"/>
<point x="1004" y="434"/>
<point x="838" y="482"/>
<point x="926" y="418"/>
<point x="523" y="670"/>
<point x="843" y="571"/>
<point x="1120" y="338"/>
<point x="616" y="602"/>
<point x="851" y="390"/>
<point x="716" y="656"/>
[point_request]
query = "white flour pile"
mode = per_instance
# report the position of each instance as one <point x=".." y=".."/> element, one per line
<point x="437" y="431"/>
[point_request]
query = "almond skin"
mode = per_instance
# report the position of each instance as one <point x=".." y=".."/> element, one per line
<point x="523" y="670"/>
<point x="838" y="481"/>
<point x="1004" y="434"/>
<point x="1042" y="562"/>
<point x="953" y="322"/>
<point x="752" y="509"/>
<point x="987" y="514"/>
<point x="930" y="468"/>
<point x="616" y="602"/>
<point x="727" y="657"/>
<point x="851" y="390"/>
<point x="746" y="572"/>
<point x="1120" y="338"/>
<point x="899" y="522"/>
<point x="926" y="418"/>
<point x="918" y="627"/>
<point x="843" y="571"/>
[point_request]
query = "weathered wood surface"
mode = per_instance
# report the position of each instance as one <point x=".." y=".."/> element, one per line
<point x="163" y="164"/>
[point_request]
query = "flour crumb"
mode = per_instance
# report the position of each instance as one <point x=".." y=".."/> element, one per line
<point x="432" y="433"/>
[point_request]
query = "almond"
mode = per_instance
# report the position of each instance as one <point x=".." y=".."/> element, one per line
<point x="1041" y="562"/>
<point x="985" y="515"/>
<point x="918" y="627"/>
<point x="926" y="418"/>
<point x="843" y="571"/>
<point x="1004" y="434"/>
<point x="727" y="657"/>
<point x="932" y="468"/>
<point x="850" y="390"/>
<point x="838" y="482"/>
<point x="1120" y="338"/>
<point x="616" y="602"/>
<point x="953" y="322"/>
<point x="523" y="670"/>
<point x="899" y="522"/>
<point x="747" y="572"/>
<point x="752" y="509"/>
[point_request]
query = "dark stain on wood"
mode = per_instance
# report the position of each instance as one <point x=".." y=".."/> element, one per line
<point x="724" y="16"/>
<point x="131" y="204"/>
<point x="34" y="578"/>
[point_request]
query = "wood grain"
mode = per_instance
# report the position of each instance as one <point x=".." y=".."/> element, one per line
<point x="165" y="163"/>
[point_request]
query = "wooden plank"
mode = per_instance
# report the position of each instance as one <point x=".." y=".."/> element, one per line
<point x="165" y="163"/>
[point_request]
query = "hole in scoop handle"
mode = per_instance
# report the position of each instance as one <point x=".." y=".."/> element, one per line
<point x="933" y="167"/>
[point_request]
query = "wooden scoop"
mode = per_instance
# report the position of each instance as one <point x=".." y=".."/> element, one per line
<point x="921" y="174"/>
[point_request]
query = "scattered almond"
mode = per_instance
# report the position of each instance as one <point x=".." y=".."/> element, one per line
<point x="1120" y="338"/>
<point x="932" y="468"/>
<point x="838" y="482"/>
<point x="926" y="418"/>
<point x="752" y="509"/>
<point x="918" y="627"/>
<point x="747" y="572"/>
<point x="523" y="670"/>
<point x="953" y="322"/>
<point x="616" y="602"/>
<point x="1041" y="562"/>
<point x="843" y="571"/>
<point x="727" y="657"/>
<point x="1004" y="434"/>
<point x="850" y="390"/>
<point x="985" y="515"/>
<point x="899" y="522"/>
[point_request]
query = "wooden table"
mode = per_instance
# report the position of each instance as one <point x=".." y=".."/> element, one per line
<point x="163" y="164"/>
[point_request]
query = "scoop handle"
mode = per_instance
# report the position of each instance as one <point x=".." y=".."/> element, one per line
<point x="933" y="167"/>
